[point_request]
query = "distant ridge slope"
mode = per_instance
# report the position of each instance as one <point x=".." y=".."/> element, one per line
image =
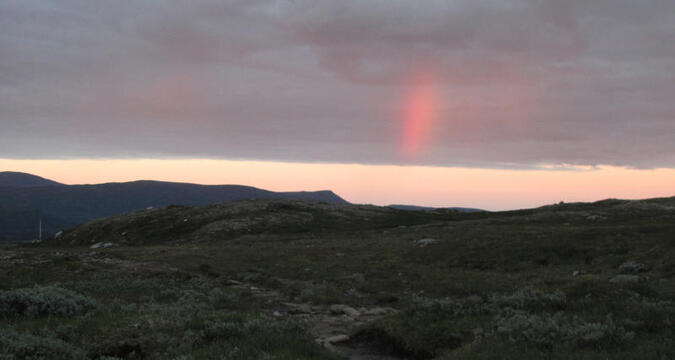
<point x="19" y="179"/>
<point x="22" y="205"/>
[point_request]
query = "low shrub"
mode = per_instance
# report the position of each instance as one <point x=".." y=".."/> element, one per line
<point x="43" y="301"/>
<point x="650" y="315"/>
<point x="14" y="345"/>
<point x="220" y="299"/>
<point x="547" y="330"/>
<point x="529" y="298"/>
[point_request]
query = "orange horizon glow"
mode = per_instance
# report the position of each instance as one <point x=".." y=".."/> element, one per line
<point x="490" y="189"/>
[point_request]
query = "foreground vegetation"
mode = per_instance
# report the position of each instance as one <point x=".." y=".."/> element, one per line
<point x="569" y="281"/>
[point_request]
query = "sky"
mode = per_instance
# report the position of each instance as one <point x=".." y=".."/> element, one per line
<point x="465" y="95"/>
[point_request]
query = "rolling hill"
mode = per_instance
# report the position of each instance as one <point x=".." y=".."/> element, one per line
<point x="25" y="198"/>
<point x="18" y="179"/>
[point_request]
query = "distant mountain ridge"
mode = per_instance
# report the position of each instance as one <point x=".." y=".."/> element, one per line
<point x="26" y="198"/>
<point x="19" y="179"/>
<point x="428" y="208"/>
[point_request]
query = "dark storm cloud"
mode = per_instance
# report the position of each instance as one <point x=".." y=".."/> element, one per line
<point x="520" y="83"/>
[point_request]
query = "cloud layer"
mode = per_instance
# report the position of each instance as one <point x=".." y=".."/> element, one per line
<point x="517" y="83"/>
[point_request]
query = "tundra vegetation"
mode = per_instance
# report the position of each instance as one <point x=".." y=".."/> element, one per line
<point x="282" y="279"/>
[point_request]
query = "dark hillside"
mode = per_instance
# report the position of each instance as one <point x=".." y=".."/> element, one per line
<point x="24" y="224"/>
<point x="179" y="224"/>
<point x="76" y="204"/>
<point x="18" y="179"/>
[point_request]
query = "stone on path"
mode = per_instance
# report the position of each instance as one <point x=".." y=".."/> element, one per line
<point x="344" y="309"/>
<point x="337" y="339"/>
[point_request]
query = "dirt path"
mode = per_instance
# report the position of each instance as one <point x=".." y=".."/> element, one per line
<point x="331" y="325"/>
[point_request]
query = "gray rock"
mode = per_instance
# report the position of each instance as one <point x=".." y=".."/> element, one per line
<point x="631" y="267"/>
<point x="344" y="309"/>
<point x="625" y="279"/>
<point x="426" y="242"/>
<point x="337" y="339"/>
<point x="326" y="345"/>
<point x="357" y="277"/>
<point x="299" y="308"/>
<point x="100" y="245"/>
<point x="376" y="311"/>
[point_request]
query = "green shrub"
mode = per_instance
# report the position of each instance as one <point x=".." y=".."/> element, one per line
<point x="220" y="299"/>
<point x="15" y="345"/>
<point x="547" y="330"/>
<point x="43" y="301"/>
<point x="650" y="315"/>
<point x="529" y="298"/>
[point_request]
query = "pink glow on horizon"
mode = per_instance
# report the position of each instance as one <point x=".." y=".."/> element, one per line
<point x="491" y="189"/>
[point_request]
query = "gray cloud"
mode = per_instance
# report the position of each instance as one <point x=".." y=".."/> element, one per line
<point x="519" y="82"/>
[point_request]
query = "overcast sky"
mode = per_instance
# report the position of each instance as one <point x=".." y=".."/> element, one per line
<point x="495" y="84"/>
